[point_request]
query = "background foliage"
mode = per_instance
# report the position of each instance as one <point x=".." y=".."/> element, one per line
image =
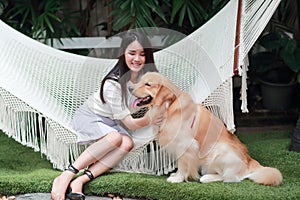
<point x="183" y="16"/>
<point x="39" y="19"/>
<point x="51" y="19"/>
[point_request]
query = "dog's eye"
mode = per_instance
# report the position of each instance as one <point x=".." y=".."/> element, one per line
<point x="147" y="84"/>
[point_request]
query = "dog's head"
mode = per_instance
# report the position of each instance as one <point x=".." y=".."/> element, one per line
<point x="153" y="89"/>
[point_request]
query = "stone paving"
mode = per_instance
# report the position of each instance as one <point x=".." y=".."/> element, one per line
<point x="46" y="196"/>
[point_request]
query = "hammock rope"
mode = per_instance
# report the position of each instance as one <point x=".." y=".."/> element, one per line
<point x="41" y="87"/>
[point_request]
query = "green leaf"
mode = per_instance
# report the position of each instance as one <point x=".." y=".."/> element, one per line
<point x="198" y="10"/>
<point x="271" y="41"/>
<point x="191" y="17"/>
<point x="121" y="22"/>
<point x="25" y="15"/>
<point x="114" y="12"/>
<point x="47" y="21"/>
<point x="190" y="9"/>
<point x="288" y="54"/>
<point x="289" y="48"/>
<point x="125" y="5"/>
<point x="156" y="9"/>
<point x="14" y="12"/>
<point x="297" y="60"/>
<point x="262" y="61"/>
<point x="132" y="6"/>
<point x="56" y="18"/>
<point x="176" y="5"/>
<point x="146" y="16"/>
<point x="145" y="21"/>
<point x="182" y="15"/>
<point x="33" y="15"/>
<point x="3" y="5"/>
<point x="294" y="62"/>
<point x="73" y="27"/>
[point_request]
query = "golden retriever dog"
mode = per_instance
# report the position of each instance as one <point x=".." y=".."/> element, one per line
<point x="198" y="139"/>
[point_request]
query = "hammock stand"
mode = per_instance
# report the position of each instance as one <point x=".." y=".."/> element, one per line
<point x="41" y="87"/>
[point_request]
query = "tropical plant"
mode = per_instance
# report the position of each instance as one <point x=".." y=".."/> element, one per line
<point x="282" y="51"/>
<point x="128" y="14"/>
<point x="49" y="19"/>
<point x="183" y="16"/>
<point x="197" y="12"/>
<point x="3" y="5"/>
<point x="281" y="55"/>
<point x="39" y="19"/>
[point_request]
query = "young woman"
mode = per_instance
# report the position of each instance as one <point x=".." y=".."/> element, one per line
<point x="104" y="117"/>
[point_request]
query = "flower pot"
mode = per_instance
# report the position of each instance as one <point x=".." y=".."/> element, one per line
<point x="277" y="96"/>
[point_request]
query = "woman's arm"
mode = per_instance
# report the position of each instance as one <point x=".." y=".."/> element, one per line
<point x="136" y="123"/>
<point x="154" y="116"/>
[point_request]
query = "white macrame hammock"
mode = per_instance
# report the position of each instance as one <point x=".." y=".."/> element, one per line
<point x="41" y="87"/>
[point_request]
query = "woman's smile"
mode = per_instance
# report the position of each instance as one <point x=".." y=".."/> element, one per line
<point x="135" y="56"/>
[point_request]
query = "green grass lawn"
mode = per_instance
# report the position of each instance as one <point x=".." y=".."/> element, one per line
<point x="24" y="171"/>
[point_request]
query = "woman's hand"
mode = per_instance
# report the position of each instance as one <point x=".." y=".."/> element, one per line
<point x="156" y="115"/>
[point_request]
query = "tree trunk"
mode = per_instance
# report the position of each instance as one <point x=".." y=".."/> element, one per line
<point x="295" y="143"/>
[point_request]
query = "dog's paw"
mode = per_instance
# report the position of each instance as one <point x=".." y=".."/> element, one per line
<point x="210" y="178"/>
<point x="175" y="178"/>
<point x="172" y="174"/>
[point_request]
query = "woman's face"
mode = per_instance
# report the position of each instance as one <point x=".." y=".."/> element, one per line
<point x="135" y="56"/>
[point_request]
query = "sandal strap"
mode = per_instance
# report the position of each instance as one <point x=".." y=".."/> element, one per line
<point x="73" y="169"/>
<point x="89" y="174"/>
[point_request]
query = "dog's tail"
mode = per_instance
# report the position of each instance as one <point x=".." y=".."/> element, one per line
<point x="265" y="175"/>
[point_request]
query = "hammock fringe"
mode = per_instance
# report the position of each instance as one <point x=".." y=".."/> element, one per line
<point x="32" y="130"/>
<point x="148" y="159"/>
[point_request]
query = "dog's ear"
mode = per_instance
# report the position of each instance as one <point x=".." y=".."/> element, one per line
<point x="151" y="84"/>
<point x="163" y="95"/>
<point x="152" y="87"/>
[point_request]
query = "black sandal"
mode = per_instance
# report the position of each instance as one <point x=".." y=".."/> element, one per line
<point x="72" y="169"/>
<point x="89" y="174"/>
<point x="75" y="196"/>
<point x="79" y="196"/>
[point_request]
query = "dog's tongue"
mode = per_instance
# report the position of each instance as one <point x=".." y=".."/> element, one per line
<point x="134" y="103"/>
<point x="138" y="101"/>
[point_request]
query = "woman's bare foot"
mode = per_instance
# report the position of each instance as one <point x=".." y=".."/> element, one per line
<point x="60" y="185"/>
<point x="77" y="184"/>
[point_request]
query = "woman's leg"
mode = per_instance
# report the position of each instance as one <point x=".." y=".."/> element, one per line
<point x="104" y="164"/>
<point x="91" y="155"/>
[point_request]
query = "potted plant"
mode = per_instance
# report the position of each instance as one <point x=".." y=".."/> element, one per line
<point x="277" y="69"/>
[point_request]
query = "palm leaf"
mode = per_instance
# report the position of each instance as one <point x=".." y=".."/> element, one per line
<point x="176" y="6"/>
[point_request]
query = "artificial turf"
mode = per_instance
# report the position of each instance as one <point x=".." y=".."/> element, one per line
<point x="24" y="171"/>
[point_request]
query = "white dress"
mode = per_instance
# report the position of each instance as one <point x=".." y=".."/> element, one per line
<point x="94" y="119"/>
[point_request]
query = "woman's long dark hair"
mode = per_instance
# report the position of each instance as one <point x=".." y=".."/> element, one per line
<point x="121" y="72"/>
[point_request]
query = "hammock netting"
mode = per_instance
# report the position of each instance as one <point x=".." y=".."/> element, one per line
<point x="41" y="87"/>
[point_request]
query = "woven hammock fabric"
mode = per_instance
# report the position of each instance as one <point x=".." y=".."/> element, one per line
<point x="41" y="87"/>
<point x="255" y="16"/>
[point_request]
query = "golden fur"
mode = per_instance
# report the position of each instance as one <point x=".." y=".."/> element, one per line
<point x="199" y="140"/>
